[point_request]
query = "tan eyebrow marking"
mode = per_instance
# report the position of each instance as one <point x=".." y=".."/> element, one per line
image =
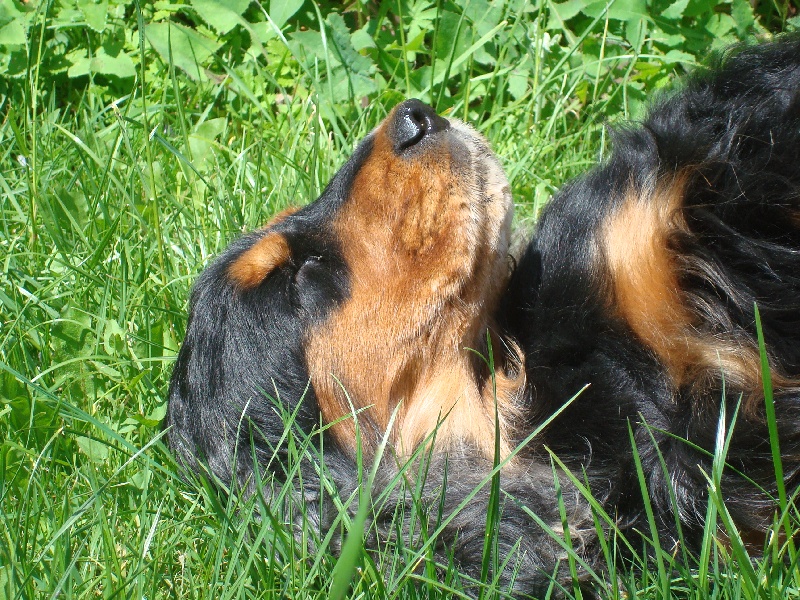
<point x="264" y="256"/>
<point x="258" y="261"/>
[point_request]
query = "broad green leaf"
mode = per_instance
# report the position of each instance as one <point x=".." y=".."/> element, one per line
<point x="628" y="9"/>
<point x="142" y="421"/>
<point x="96" y="451"/>
<point x="190" y="50"/>
<point x="13" y="33"/>
<point x="237" y="6"/>
<point x="14" y="63"/>
<point x="113" y="338"/>
<point x="413" y="44"/>
<point x="263" y="31"/>
<point x="447" y="43"/>
<point x="103" y="63"/>
<point x="362" y="39"/>
<point x="281" y="11"/>
<point x="347" y="84"/>
<point x="670" y="40"/>
<point x="158" y="413"/>
<point x="202" y="141"/>
<point x="74" y="332"/>
<point x="106" y="370"/>
<point x="680" y="57"/>
<point x="696" y="8"/>
<point x="420" y="17"/>
<point x="646" y="70"/>
<point x="483" y="15"/>
<point x="81" y="65"/>
<point x="9" y="12"/>
<point x="308" y="45"/>
<point x="720" y="25"/>
<point x="141" y="479"/>
<point x="518" y="83"/>
<point x="5" y="582"/>
<point x="221" y="15"/>
<point x="351" y="59"/>
<point x="620" y="10"/>
<point x="120" y="65"/>
<point x="634" y="31"/>
<point x="675" y="10"/>
<point x="742" y="14"/>
<point x="564" y="11"/>
<point x="94" y="13"/>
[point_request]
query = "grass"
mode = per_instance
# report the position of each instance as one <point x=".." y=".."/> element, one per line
<point x="108" y="210"/>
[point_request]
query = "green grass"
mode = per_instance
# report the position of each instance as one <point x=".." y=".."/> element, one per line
<point x="109" y="210"/>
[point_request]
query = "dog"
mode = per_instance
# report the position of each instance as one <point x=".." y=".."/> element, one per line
<point x="373" y="302"/>
<point x="385" y="322"/>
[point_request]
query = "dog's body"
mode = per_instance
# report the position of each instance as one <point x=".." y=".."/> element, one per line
<point x="640" y="282"/>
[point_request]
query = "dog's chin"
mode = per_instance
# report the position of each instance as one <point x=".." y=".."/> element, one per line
<point x="491" y="203"/>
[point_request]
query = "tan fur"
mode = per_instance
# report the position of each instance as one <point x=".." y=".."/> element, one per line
<point x="647" y="295"/>
<point x="280" y="216"/>
<point x="268" y="253"/>
<point x="645" y="285"/>
<point x="426" y="250"/>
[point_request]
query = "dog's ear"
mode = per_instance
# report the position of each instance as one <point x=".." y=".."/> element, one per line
<point x="267" y="254"/>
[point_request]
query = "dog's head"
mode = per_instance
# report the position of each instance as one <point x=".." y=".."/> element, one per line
<point x="373" y="296"/>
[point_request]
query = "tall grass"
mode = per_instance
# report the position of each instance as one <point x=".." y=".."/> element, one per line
<point x="108" y="212"/>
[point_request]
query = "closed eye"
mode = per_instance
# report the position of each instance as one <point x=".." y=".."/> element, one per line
<point x="304" y="270"/>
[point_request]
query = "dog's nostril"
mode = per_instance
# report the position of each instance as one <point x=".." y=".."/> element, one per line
<point x="414" y="121"/>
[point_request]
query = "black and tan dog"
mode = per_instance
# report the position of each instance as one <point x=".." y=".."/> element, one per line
<point x="372" y="300"/>
<point x="640" y="281"/>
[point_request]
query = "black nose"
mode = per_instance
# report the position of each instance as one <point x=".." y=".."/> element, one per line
<point x="413" y="122"/>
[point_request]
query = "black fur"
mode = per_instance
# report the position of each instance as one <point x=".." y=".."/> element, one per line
<point x="242" y="356"/>
<point x="736" y="127"/>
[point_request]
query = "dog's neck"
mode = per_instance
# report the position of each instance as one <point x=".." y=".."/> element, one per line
<point x="434" y="378"/>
